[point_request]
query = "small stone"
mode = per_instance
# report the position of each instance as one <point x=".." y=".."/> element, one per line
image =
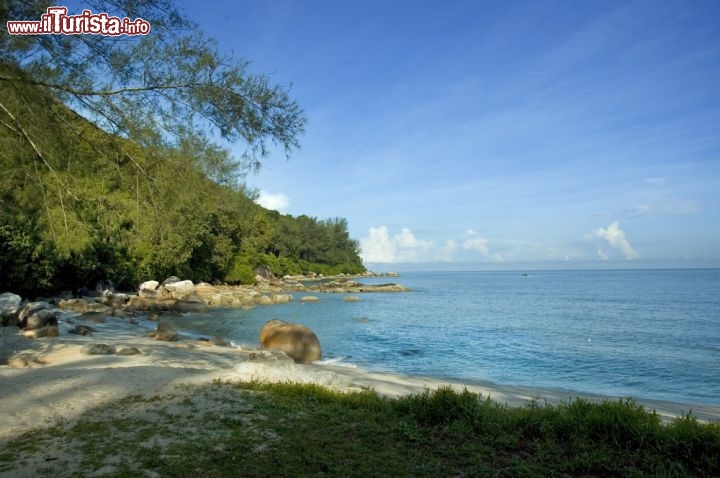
<point x="98" y="349"/>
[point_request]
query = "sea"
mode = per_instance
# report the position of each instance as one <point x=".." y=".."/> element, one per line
<point x="646" y="334"/>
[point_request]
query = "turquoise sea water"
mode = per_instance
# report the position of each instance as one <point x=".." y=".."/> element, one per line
<point x="651" y="334"/>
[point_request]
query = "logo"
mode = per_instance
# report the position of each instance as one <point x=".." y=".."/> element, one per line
<point x="57" y="22"/>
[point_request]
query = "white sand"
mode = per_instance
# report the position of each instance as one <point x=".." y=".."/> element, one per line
<point x="61" y="384"/>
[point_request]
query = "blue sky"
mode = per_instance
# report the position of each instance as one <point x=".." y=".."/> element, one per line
<point x="471" y="134"/>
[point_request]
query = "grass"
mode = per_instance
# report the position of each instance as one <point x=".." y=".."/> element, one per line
<point x="260" y="429"/>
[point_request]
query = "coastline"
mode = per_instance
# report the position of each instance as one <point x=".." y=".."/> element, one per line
<point x="58" y="383"/>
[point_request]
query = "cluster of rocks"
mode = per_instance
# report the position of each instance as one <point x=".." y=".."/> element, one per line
<point x="345" y="286"/>
<point x="184" y="296"/>
<point x="36" y="319"/>
<point x="40" y="318"/>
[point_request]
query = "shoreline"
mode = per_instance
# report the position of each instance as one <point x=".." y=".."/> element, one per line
<point x="58" y="383"/>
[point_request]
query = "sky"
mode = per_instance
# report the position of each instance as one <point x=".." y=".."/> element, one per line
<point x="495" y="135"/>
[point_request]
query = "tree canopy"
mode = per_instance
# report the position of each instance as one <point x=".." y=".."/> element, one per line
<point x="115" y="163"/>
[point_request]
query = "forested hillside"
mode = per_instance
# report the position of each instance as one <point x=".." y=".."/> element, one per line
<point x="139" y="195"/>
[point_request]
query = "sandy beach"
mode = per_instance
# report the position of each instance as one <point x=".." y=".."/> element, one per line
<point x="51" y="380"/>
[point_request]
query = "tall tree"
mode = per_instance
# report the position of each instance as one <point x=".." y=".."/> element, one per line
<point x="171" y="86"/>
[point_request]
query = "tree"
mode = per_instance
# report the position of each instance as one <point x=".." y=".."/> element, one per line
<point x="170" y="87"/>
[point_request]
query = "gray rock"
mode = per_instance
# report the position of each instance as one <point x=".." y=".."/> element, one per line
<point x="165" y="332"/>
<point x="82" y="330"/>
<point x="9" y="306"/>
<point x="171" y="280"/>
<point x="98" y="349"/>
<point x="39" y="319"/>
<point x="32" y="307"/>
<point x="129" y="351"/>
<point x="195" y="307"/>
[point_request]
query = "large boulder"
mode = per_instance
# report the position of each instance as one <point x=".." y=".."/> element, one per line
<point x="165" y="332"/>
<point x="149" y="290"/>
<point x="9" y="306"/>
<point x="180" y="289"/>
<point x="36" y="315"/>
<point x="296" y="340"/>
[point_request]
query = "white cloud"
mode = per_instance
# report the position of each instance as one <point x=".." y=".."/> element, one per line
<point x="447" y="251"/>
<point x="615" y="237"/>
<point x="379" y="246"/>
<point x="602" y="255"/>
<point x="475" y="242"/>
<point x="277" y="202"/>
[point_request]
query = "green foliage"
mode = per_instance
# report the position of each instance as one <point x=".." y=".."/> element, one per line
<point x="241" y="272"/>
<point x="156" y="198"/>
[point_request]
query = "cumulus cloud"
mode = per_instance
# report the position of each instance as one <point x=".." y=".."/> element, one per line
<point x="277" y="202"/>
<point x="615" y="237"/>
<point x="474" y="242"/>
<point x="380" y="246"/>
<point x="448" y="250"/>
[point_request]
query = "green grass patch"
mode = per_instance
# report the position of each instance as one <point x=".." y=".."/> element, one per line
<point x="260" y="429"/>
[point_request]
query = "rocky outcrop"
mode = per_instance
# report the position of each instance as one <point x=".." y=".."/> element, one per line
<point x="297" y="341"/>
<point x="309" y="298"/>
<point x="346" y="286"/>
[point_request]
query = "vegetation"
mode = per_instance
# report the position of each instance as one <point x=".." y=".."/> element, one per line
<point x="259" y="429"/>
<point x="116" y="161"/>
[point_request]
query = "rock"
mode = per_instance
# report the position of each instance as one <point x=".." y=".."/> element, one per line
<point x="35" y="316"/>
<point x="25" y="361"/>
<point x="149" y="285"/>
<point x="30" y="308"/>
<point x="94" y="317"/>
<point x="264" y="300"/>
<point x="194" y="307"/>
<point x="150" y="294"/>
<point x="170" y="280"/>
<point x="45" y="331"/>
<point x="219" y="342"/>
<point x="9" y="306"/>
<point x="166" y="332"/>
<point x="39" y="319"/>
<point x="351" y="298"/>
<point x="98" y="349"/>
<point x="180" y="289"/>
<point x="82" y="330"/>
<point x="84" y="305"/>
<point x="129" y="351"/>
<point x="281" y="298"/>
<point x="150" y="304"/>
<point x="309" y="298"/>
<point x="296" y="340"/>
<point x="113" y="300"/>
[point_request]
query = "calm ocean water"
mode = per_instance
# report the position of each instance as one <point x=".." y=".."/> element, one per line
<point x="643" y="333"/>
